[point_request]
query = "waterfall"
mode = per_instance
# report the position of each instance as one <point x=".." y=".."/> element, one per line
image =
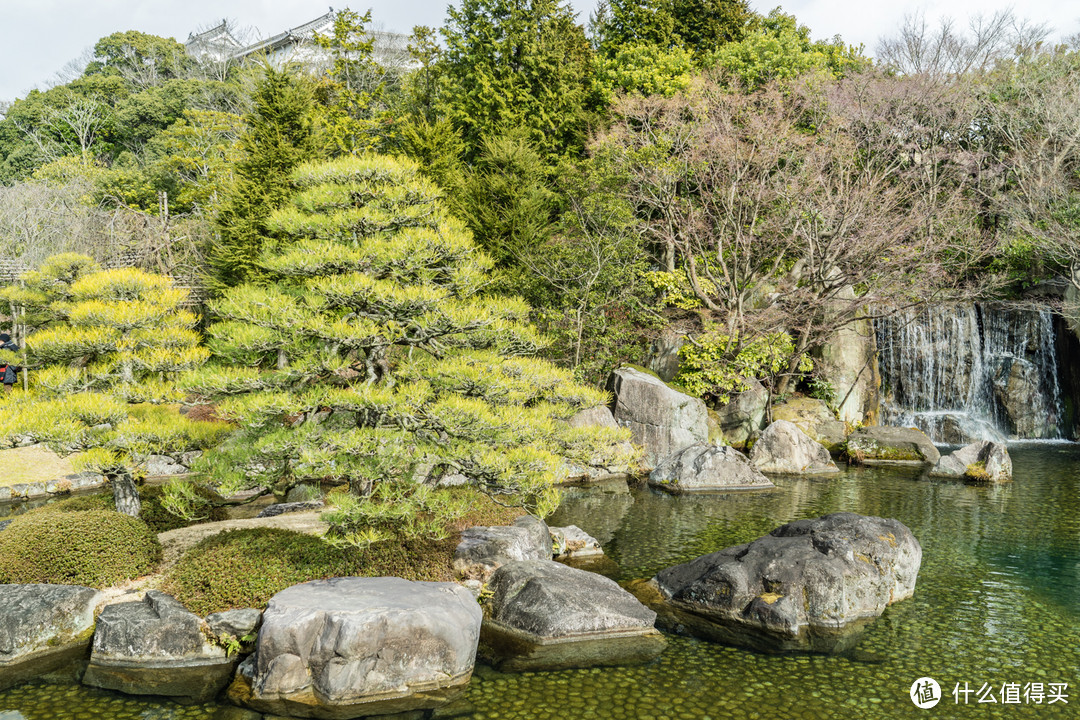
<point x="964" y="372"/>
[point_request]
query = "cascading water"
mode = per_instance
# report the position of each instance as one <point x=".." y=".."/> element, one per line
<point x="965" y="372"/>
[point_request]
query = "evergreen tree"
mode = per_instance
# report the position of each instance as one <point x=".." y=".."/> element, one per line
<point x="116" y="340"/>
<point x="518" y="64"/>
<point x="504" y="201"/>
<point x="278" y="138"/>
<point x="374" y="358"/>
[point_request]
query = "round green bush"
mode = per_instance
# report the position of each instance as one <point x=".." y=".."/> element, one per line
<point x="245" y="568"/>
<point x="153" y="513"/>
<point x="97" y="548"/>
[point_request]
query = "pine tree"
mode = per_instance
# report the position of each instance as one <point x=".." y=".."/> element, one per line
<point x="374" y="358"/>
<point x="114" y="342"/>
<point x="278" y="138"/>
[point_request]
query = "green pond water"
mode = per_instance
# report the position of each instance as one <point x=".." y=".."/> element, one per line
<point x="997" y="601"/>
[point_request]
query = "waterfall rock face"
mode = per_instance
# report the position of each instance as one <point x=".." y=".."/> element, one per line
<point x="1017" y="387"/>
<point x="810" y="585"/>
<point x="661" y="419"/>
<point x="784" y="448"/>
<point x="965" y="372"/>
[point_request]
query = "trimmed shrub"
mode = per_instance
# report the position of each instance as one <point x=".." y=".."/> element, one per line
<point x="97" y="548"/>
<point x="153" y="513"/>
<point x="245" y="568"/>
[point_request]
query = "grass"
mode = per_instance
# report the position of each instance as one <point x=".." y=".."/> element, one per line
<point x="32" y="464"/>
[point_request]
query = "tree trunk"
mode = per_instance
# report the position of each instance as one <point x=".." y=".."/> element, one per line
<point x="125" y="494"/>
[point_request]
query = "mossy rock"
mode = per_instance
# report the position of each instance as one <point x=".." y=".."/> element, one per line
<point x="96" y="548"/>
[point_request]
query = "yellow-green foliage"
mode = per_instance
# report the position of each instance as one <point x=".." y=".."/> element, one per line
<point x="674" y="288"/>
<point x="977" y="471"/>
<point x="717" y="365"/>
<point x="154" y="513"/>
<point x="645" y="69"/>
<point x="109" y="340"/>
<point x="396" y="361"/>
<point x="96" y="548"/>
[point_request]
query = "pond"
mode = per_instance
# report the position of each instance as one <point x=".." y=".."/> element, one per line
<point x="997" y="603"/>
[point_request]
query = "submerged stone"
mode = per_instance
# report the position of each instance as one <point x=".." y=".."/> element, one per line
<point x="543" y="615"/>
<point x="810" y="585"/>
<point x="43" y="628"/>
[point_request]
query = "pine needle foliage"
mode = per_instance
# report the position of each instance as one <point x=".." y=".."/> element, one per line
<point x="116" y="340"/>
<point x="375" y="358"/>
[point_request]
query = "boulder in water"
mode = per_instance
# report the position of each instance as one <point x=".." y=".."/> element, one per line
<point x="983" y="461"/>
<point x="704" y="468"/>
<point x="784" y="448"/>
<point x="353" y="647"/>
<point x="885" y="445"/>
<point x="814" y="418"/>
<point x="543" y="615"/>
<point x="811" y="585"/>
<point x="43" y="628"/>
<point x="156" y="647"/>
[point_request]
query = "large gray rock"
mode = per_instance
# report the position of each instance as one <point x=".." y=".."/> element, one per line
<point x="983" y="461"/>
<point x="704" y="468"/>
<point x="784" y="448"/>
<point x="290" y="507"/>
<point x="744" y="414"/>
<point x="483" y="549"/>
<point x="543" y="615"/>
<point x="848" y="361"/>
<point x="42" y="628"/>
<point x="661" y="420"/>
<point x="156" y="647"/>
<point x="1019" y="390"/>
<point x="664" y="353"/>
<point x="811" y="585"/>
<point x="815" y="419"/>
<point x="355" y="647"/>
<point x="885" y="445"/>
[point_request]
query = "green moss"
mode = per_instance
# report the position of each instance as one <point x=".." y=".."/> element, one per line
<point x="245" y="568"/>
<point x="153" y="513"/>
<point x="97" y="548"/>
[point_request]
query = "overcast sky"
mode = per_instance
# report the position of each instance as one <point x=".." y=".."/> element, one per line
<point x="38" y="37"/>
